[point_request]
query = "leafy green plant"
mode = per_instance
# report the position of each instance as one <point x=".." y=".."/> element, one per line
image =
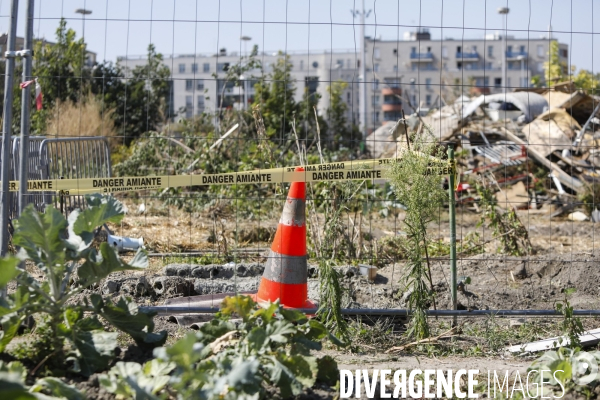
<point x="506" y="225"/>
<point x="62" y="250"/>
<point x="566" y="370"/>
<point x="422" y="194"/>
<point x="571" y="326"/>
<point x="12" y="385"/>
<point x="229" y="360"/>
<point x="132" y="380"/>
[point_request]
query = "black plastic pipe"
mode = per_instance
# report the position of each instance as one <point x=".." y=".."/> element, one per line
<point x="388" y="312"/>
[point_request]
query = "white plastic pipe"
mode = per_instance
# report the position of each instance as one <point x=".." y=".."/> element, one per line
<point x="125" y="243"/>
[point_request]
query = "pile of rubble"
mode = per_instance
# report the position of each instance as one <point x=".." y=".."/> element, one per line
<point x="539" y="148"/>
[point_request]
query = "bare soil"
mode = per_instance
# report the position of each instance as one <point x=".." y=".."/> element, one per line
<point x="564" y="255"/>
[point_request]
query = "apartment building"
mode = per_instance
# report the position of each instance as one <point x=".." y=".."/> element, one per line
<point x="433" y="71"/>
<point x="199" y="82"/>
<point x="424" y="71"/>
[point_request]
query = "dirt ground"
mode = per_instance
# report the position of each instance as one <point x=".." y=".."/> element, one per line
<point x="564" y="255"/>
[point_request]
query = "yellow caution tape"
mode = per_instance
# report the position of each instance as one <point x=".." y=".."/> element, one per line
<point x="328" y="172"/>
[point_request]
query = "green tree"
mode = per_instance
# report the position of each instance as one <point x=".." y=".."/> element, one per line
<point x="306" y="122"/>
<point x="275" y="95"/>
<point x="585" y="80"/>
<point x="143" y="102"/>
<point x="61" y="71"/>
<point x="554" y="69"/>
<point x="341" y="130"/>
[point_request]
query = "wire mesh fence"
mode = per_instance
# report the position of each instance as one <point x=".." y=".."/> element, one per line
<point x="513" y="86"/>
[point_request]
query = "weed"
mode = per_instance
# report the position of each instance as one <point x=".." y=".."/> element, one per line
<point x="422" y="194"/>
<point x="506" y="225"/>
<point x="571" y="326"/>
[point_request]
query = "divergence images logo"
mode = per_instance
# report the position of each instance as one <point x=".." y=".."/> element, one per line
<point x="546" y="377"/>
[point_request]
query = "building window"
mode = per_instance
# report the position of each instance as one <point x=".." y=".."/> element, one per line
<point x="444" y="52"/>
<point x="199" y="84"/>
<point x="413" y="100"/>
<point x="206" y="67"/>
<point x="376" y="100"/>
<point x="311" y="83"/>
<point x="376" y="84"/>
<point x="497" y="82"/>
<point x="522" y="49"/>
<point x="413" y="50"/>
<point x="428" y="100"/>
<point x="181" y="68"/>
<point x="391" y="115"/>
<point x="540" y="50"/>
<point x="348" y="97"/>
<point x="301" y="66"/>
<point x="540" y="66"/>
<point x="189" y="85"/>
<point x="490" y="51"/>
<point x="488" y="65"/>
<point x="509" y="49"/>
<point x="459" y="65"/>
<point x="393" y="82"/>
<point x="395" y="68"/>
<point x="200" y="104"/>
<point x="194" y="68"/>
<point x="428" y="83"/>
<point x="376" y="67"/>
<point x="223" y="67"/>
<point x="459" y="49"/>
<point x="375" y="116"/>
<point x="376" y="52"/>
<point x="392" y="99"/>
<point x="564" y="53"/>
<point x="349" y="63"/>
<point x="189" y="105"/>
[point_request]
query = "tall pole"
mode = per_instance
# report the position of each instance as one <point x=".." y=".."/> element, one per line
<point x="504" y="51"/>
<point x="503" y="11"/>
<point x="363" y="77"/>
<point x="7" y="127"/>
<point x="452" y="215"/>
<point x="25" y="107"/>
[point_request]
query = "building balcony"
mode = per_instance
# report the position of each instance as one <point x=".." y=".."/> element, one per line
<point x="421" y="57"/>
<point x="391" y="107"/>
<point x="466" y="57"/>
<point x="516" y="55"/>
<point x="391" y="91"/>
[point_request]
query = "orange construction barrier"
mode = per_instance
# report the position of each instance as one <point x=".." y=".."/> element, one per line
<point x="286" y="270"/>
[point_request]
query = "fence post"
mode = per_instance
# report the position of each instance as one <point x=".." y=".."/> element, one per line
<point x="7" y="129"/>
<point x="26" y="107"/>
<point x="452" y="212"/>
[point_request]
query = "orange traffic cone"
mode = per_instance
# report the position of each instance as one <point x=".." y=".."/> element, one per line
<point x="285" y="275"/>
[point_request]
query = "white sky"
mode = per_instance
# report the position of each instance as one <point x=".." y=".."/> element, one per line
<point x="125" y="27"/>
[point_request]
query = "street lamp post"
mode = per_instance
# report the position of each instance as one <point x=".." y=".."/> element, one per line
<point x="503" y="11"/>
<point x="245" y="89"/>
<point x="362" y="76"/>
<point x="245" y="39"/>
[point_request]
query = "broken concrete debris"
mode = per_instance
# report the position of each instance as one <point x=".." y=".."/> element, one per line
<point x="538" y="148"/>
